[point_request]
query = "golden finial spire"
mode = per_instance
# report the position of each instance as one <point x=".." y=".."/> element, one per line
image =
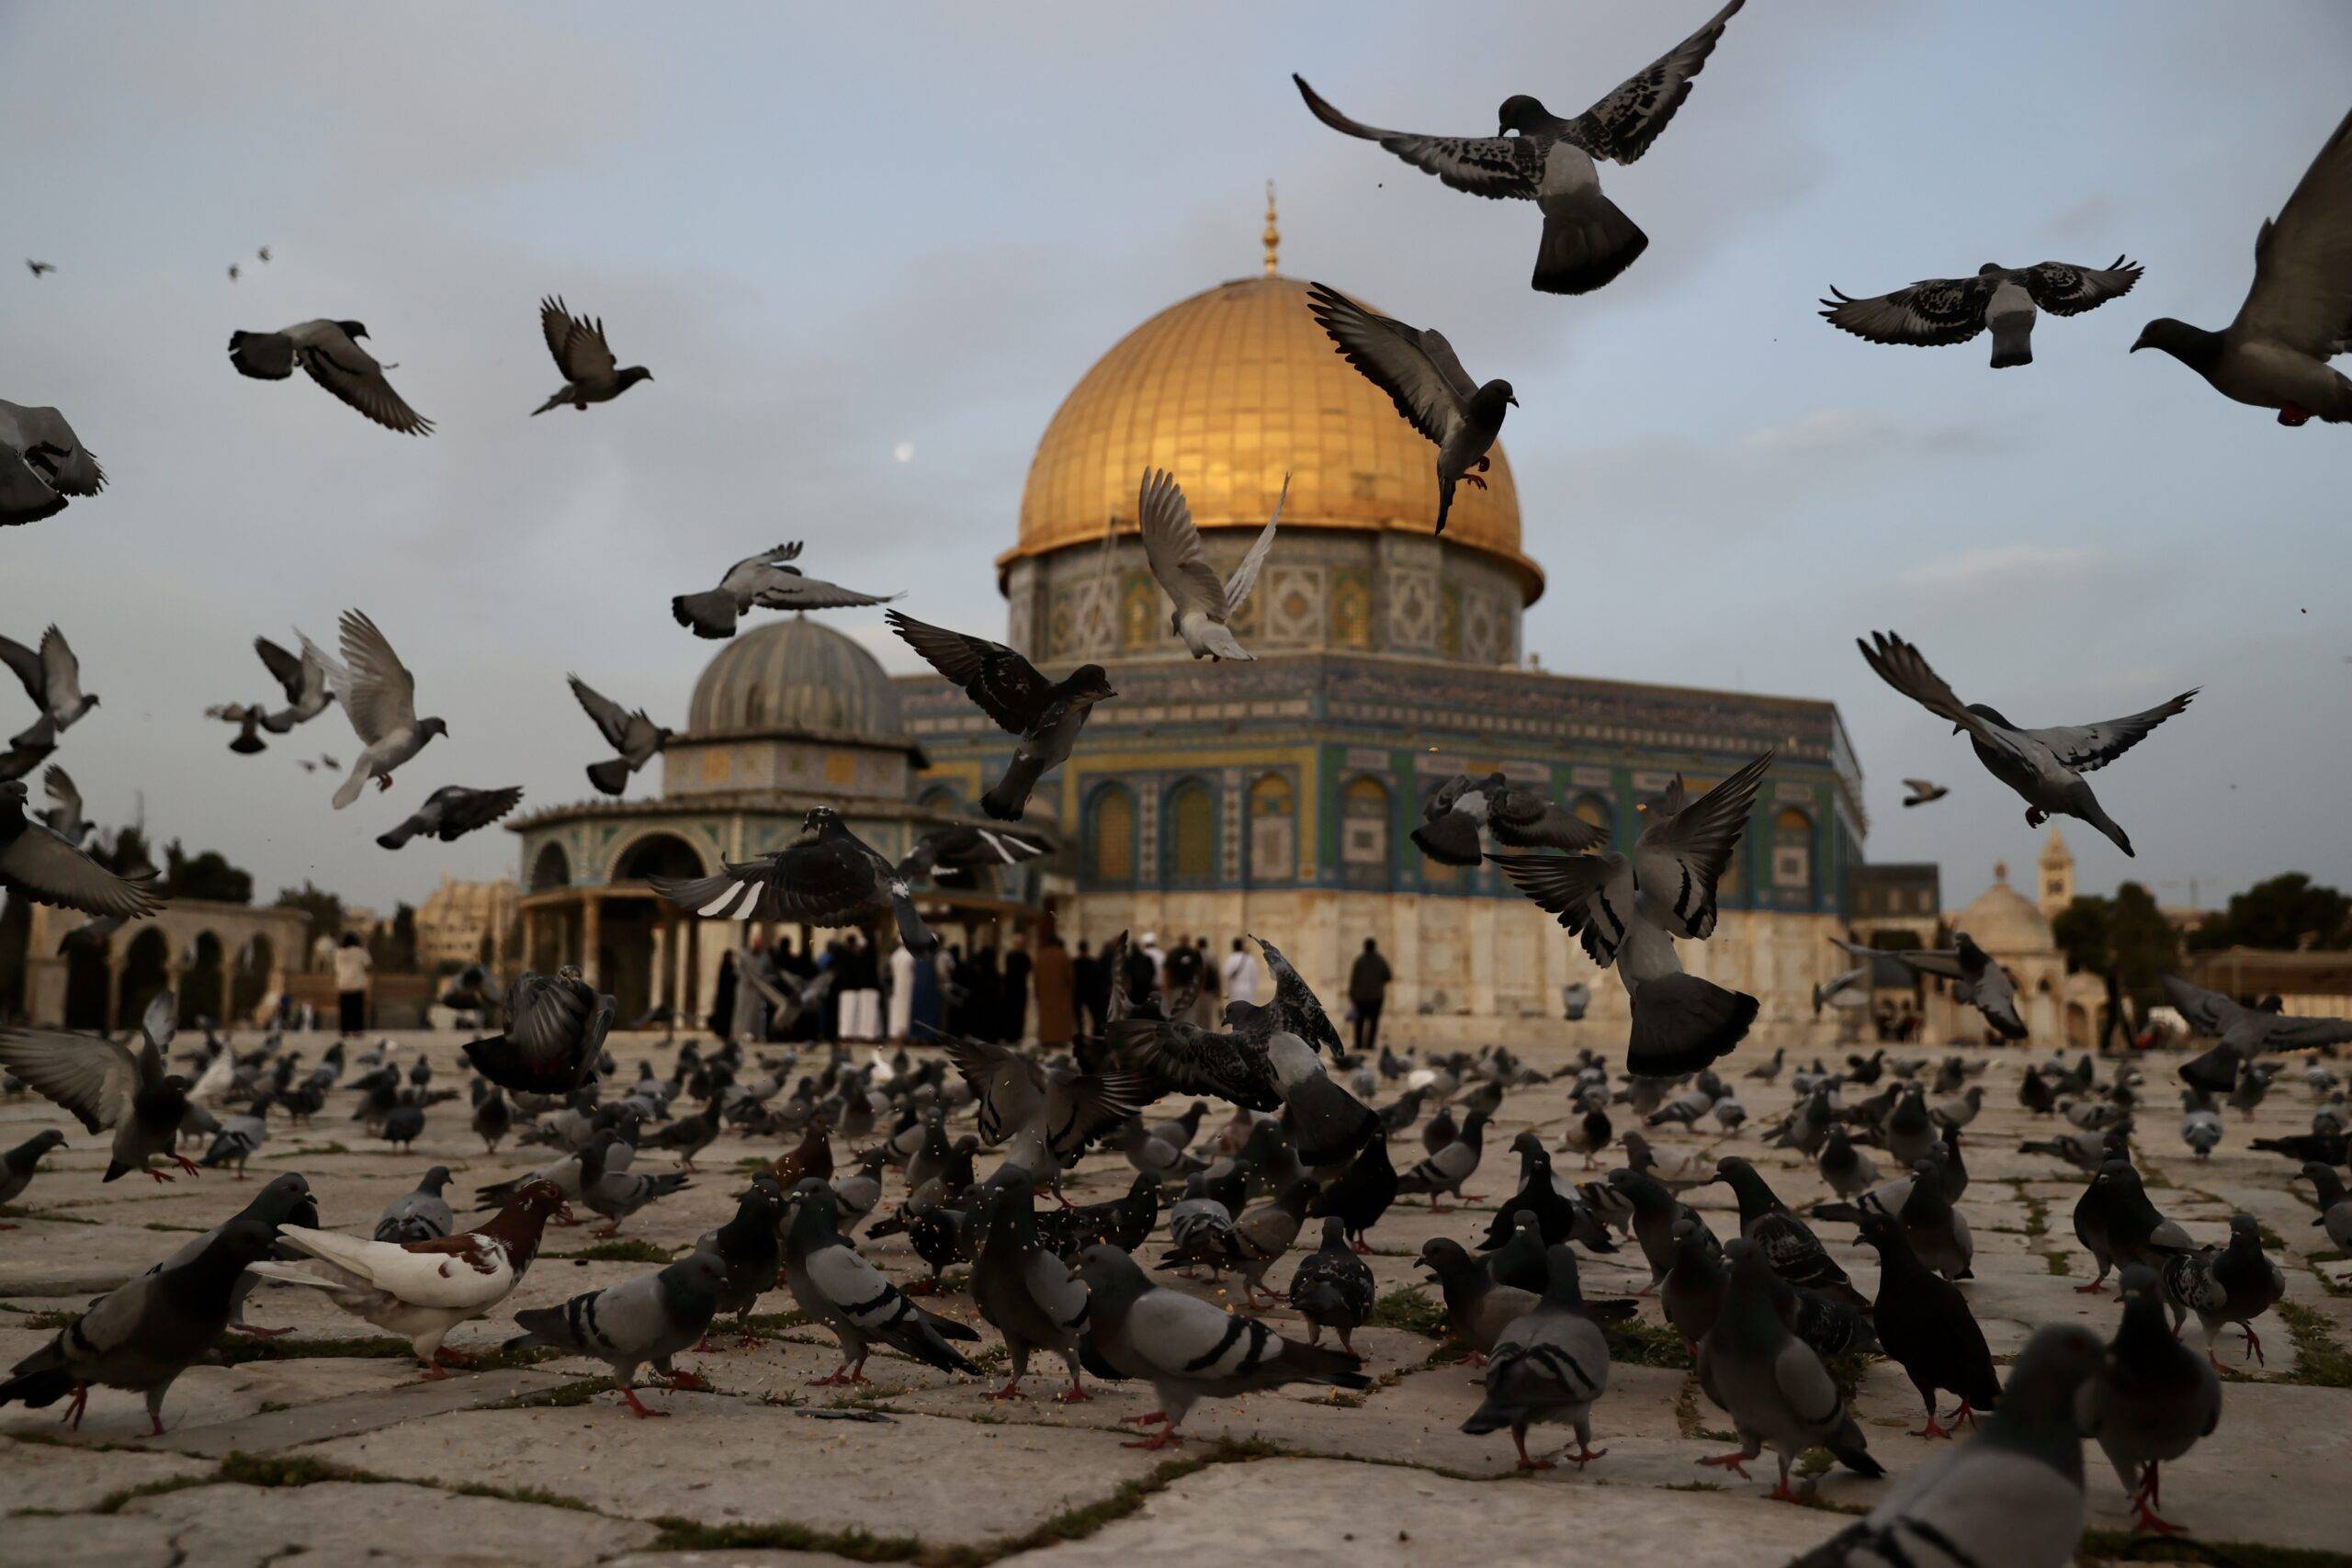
<point x="1273" y="235"/>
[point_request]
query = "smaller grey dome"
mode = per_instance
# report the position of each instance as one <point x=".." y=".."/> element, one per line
<point x="794" y="676"/>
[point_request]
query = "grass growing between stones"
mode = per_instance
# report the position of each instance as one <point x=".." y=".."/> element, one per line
<point x="1636" y="1342"/>
<point x="2320" y="1361"/>
<point x="1409" y="1309"/>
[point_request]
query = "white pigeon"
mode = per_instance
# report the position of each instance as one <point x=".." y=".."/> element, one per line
<point x="1172" y="544"/>
<point x="2297" y="315"/>
<point x="379" y="695"/>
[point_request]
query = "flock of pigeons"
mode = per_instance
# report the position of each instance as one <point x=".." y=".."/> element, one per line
<point x="1767" y="1312"/>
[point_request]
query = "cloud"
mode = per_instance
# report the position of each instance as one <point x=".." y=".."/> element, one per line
<point x="1993" y="568"/>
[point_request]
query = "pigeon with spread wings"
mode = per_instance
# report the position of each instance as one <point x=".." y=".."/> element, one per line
<point x="2243" y="1032"/>
<point x="452" y="811"/>
<point x="1587" y="240"/>
<point x="1518" y="819"/>
<point x="555" y="1033"/>
<point x="590" y="374"/>
<point x="950" y="855"/>
<point x="1977" y="980"/>
<point x="304" y="681"/>
<point x="1172" y="544"/>
<point x="2044" y="766"/>
<point x="1940" y="310"/>
<point x="636" y="738"/>
<point x="39" y="864"/>
<point x="379" y="695"/>
<point x="52" y="679"/>
<point x="330" y="354"/>
<point x="2297" y="315"/>
<point x="1046" y="715"/>
<point x="829" y="876"/>
<point x="768" y="581"/>
<point x="1923" y="792"/>
<point x="104" y="1085"/>
<point x="1628" y="911"/>
<point x="43" y="465"/>
<point x="1423" y="377"/>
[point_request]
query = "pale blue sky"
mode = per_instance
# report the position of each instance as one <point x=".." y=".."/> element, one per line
<point x="829" y="232"/>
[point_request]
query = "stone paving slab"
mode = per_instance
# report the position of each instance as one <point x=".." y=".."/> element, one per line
<point x="338" y="1522"/>
<point x="62" y="1478"/>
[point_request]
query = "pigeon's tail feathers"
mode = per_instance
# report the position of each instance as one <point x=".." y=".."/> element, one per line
<point x="1316" y="1363"/>
<point x="729" y="895"/>
<point x="397" y="836"/>
<point x="1217" y="641"/>
<point x="2093" y="813"/>
<point x="1587" y="241"/>
<point x="710" y="614"/>
<point x="1452" y="839"/>
<point x="1682" y="1022"/>
<point x="353" y="785"/>
<point x="1847" y="1449"/>
<point x="611" y="776"/>
<point x="2012" y="340"/>
<point x="1010" y="795"/>
<point x="554" y="403"/>
<point x="37" y="1389"/>
<point x="266" y="356"/>
<point x="918" y="937"/>
<point x="295" y="1274"/>
<point x="1489" y="1417"/>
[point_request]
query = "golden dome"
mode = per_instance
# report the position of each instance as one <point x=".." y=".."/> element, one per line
<point x="1228" y="391"/>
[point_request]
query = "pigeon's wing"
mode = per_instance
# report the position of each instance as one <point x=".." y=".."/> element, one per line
<point x="1198" y="1061"/>
<point x="1172" y="545"/>
<point x="1302" y="1010"/>
<point x="1495" y="166"/>
<point x="1684" y="852"/>
<point x="1529" y="819"/>
<point x="2066" y="290"/>
<point x="794" y="591"/>
<point x="2208" y="1012"/>
<point x="1574" y="890"/>
<point x="1932" y="313"/>
<point x="1245" y="576"/>
<point x="2293" y="1035"/>
<point x="820" y="882"/>
<point x="612" y="719"/>
<point x="545" y="1015"/>
<point x="2302" y="260"/>
<point x="2083" y="747"/>
<point x="1623" y="125"/>
<point x="50" y="870"/>
<point x="1182" y="1336"/>
<point x="1399" y="360"/>
<point x="1008" y="1085"/>
<point x="468" y="810"/>
<point x="577" y="343"/>
<point x="382" y="693"/>
<point x="1902" y="667"/>
<point x="1919" y="787"/>
<point x="288" y="669"/>
<point x="60" y="672"/>
<point x="70" y="468"/>
<point x="1942" y="963"/>
<point x="92" y="1079"/>
<point x="25" y="663"/>
<point x="58" y="784"/>
<point x="1080" y="1108"/>
<point x="351" y="373"/>
<point x="1006" y="686"/>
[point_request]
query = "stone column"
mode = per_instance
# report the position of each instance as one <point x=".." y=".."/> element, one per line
<point x="591" y="931"/>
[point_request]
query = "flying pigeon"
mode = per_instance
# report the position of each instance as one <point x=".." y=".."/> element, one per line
<point x="2245" y="1032"/>
<point x="837" y="1288"/>
<point x="143" y="1335"/>
<point x="1587" y="241"/>
<point x="248" y="717"/>
<point x="1920" y="792"/>
<point x="635" y="739"/>
<point x="233" y="274"/>
<point x="43" y="465"/>
<point x="1628" y="911"/>
<point x="304" y="681"/>
<point x="379" y="695"/>
<point x="829" y="876"/>
<point x="586" y="359"/>
<point x="422" y="1290"/>
<point x="107" y="1085"/>
<point x="2297" y="315"/>
<point x="28" y="752"/>
<point x="1047" y="715"/>
<point x="765" y="582"/>
<point x="1941" y="310"/>
<point x="1976" y="979"/>
<point x="451" y="812"/>
<point x="650" y="1318"/>
<point x="2044" y="766"/>
<point x="52" y="679"/>
<point x="1550" y="1364"/>
<point x="1423" y="377"/>
<point x="949" y="855"/>
<point x="1294" y="1008"/>
<point x="420" y="1215"/>
<point x="39" y="268"/>
<point x="555" y="1033"/>
<point x="2151" y="1400"/>
<point x="63" y="817"/>
<point x="328" y="353"/>
<point x="1518" y="819"/>
<point x="1172" y="545"/>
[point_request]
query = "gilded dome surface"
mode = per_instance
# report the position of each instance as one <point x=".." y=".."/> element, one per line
<point x="2003" y="921"/>
<point x="795" y="674"/>
<point x="1228" y="391"/>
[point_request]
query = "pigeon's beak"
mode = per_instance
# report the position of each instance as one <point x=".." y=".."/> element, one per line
<point x="1514" y="399"/>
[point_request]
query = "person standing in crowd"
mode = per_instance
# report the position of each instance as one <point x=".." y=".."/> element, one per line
<point x="351" y="966"/>
<point x="955" y="989"/>
<point x="1142" y="978"/>
<point x="902" y="993"/>
<point x="750" y="1020"/>
<point x="1367" y="992"/>
<point x="988" y="988"/>
<point x="1056" y="1020"/>
<point x="1241" y="974"/>
<point x="1209" y="1010"/>
<point x="1013" y="1016"/>
<point x="721" y="1021"/>
<point x="1180" y="980"/>
<point x="862" y="995"/>
<point x="1088" y="988"/>
<point x="1159" y="959"/>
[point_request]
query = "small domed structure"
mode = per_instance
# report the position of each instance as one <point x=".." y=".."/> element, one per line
<point x="795" y="676"/>
<point x="2003" y="922"/>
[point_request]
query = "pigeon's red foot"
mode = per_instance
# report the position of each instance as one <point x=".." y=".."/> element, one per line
<point x="4" y="1226"/>
<point x="1010" y="1391"/>
<point x="923" y="1288"/>
<point x="748" y="1340"/>
<point x="606" y="1230"/>
<point x="155" y="1425"/>
<point x="1159" y="1440"/>
<point x="1585" y="1456"/>
<point x="383" y="780"/>
<point x="446" y="1357"/>
<point x="1735" y="1463"/>
<point x="695" y="1382"/>
<point x="2093" y="1288"/>
<point x="1074" y="1394"/>
<point x="1966" y="1412"/>
<point x="1146" y="1419"/>
<point x="159" y="1175"/>
<point x="844" y="1378"/>
<point x="1933" y="1428"/>
<point x="1784" y="1493"/>
<point x="1519" y="1440"/>
<point x="2293" y="415"/>
<point x="637" y="1407"/>
<point x="248" y="1328"/>
<point x="2253" y="1343"/>
<point x="1477" y="1358"/>
<point x="432" y="1373"/>
<point x="1359" y="1247"/>
<point x="73" y="1416"/>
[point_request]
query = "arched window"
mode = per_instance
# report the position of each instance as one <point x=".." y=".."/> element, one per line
<point x="1599" y="813"/>
<point x="200" y="993"/>
<point x="552" y="869"/>
<point x="1792" y="851"/>
<point x="1273" y="830"/>
<point x="144" y="972"/>
<point x="657" y="854"/>
<point x="1363" y="833"/>
<point x="1191" y="833"/>
<point x="1111" y="836"/>
<point x="941" y="801"/>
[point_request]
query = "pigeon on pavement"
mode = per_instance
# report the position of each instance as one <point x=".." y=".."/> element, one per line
<point x="22" y="1164"/>
<point x="837" y="1288"/>
<point x="284" y="1200"/>
<point x="1423" y="377"/>
<point x="2297" y="315"/>
<point x="379" y="695"/>
<point x="829" y="876"/>
<point x="1549" y="1365"/>
<point x="1587" y="240"/>
<point x="1774" y="1386"/>
<point x="105" y="1085"/>
<point x="2119" y="1226"/>
<point x="591" y="375"/>
<point x="452" y="811"/>
<point x="2151" y="1400"/>
<point x="1023" y="1291"/>
<point x="1628" y="911"/>
<point x="52" y="679"/>
<point x="1518" y="819"/>
<point x="2234" y="1284"/>
<point x="1940" y="310"/>
<point x="555" y="1033"/>
<point x="143" y="1335"/>
<point x="1450" y="1167"/>
<point x="650" y="1318"/>
<point x="241" y="1135"/>
<point x="1172" y="545"/>
<point x="1362" y="1193"/>
<point x="635" y="739"/>
<point x="330" y="354"/>
<point x="1047" y="715"/>
<point x="611" y="1190"/>
<point x="1783" y="1242"/>
<point x="750" y="1246"/>
<point x="1924" y="1326"/>
<point x="766" y="582"/>
<point x="43" y="465"/>
<point x="2044" y="766"/>
<point x="2335" y="1202"/>
<point x="1332" y="1288"/>
<point x="420" y="1215"/>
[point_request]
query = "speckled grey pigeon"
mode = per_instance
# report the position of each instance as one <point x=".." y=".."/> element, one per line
<point x="1550" y="1365"/>
<point x="766" y="582"/>
<point x="837" y="1288"/>
<point x="143" y="1335"/>
<point x="1179" y="561"/>
<point x="1936" y="311"/>
<point x="2232" y="1284"/>
<point x="1783" y="1242"/>
<point x="420" y="1215"/>
<point x="43" y="465"/>
<point x="1775" y="1388"/>
<point x="650" y="1318"/>
<point x="1450" y="1167"/>
<point x="590" y="374"/>
<point x="2011" y="1494"/>
<point x="1024" y="1291"/>
<point x="328" y="353"/>
<point x="1332" y="1288"/>
<point x="2151" y="1401"/>
<point x="106" y="1086"/>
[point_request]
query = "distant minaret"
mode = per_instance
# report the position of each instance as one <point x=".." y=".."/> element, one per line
<point x="2057" y="876"/>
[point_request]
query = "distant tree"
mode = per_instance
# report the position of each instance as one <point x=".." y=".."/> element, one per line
<point x="2287" y="912"/>
<point x="323" y="907"/>
<point x="2127" y="931"/>
<point x="205" y="874"/>
<point x="392" y="946"/>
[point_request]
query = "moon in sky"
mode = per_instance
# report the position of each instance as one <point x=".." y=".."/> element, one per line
<point x="904" y="451"/>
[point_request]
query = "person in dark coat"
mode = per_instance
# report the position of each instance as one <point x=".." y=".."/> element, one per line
<point x="721" y="1019"/>
<point x="1012" y="1003"/>
<point x="1368" y="993"/>
<point x="1088" y="989"/>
